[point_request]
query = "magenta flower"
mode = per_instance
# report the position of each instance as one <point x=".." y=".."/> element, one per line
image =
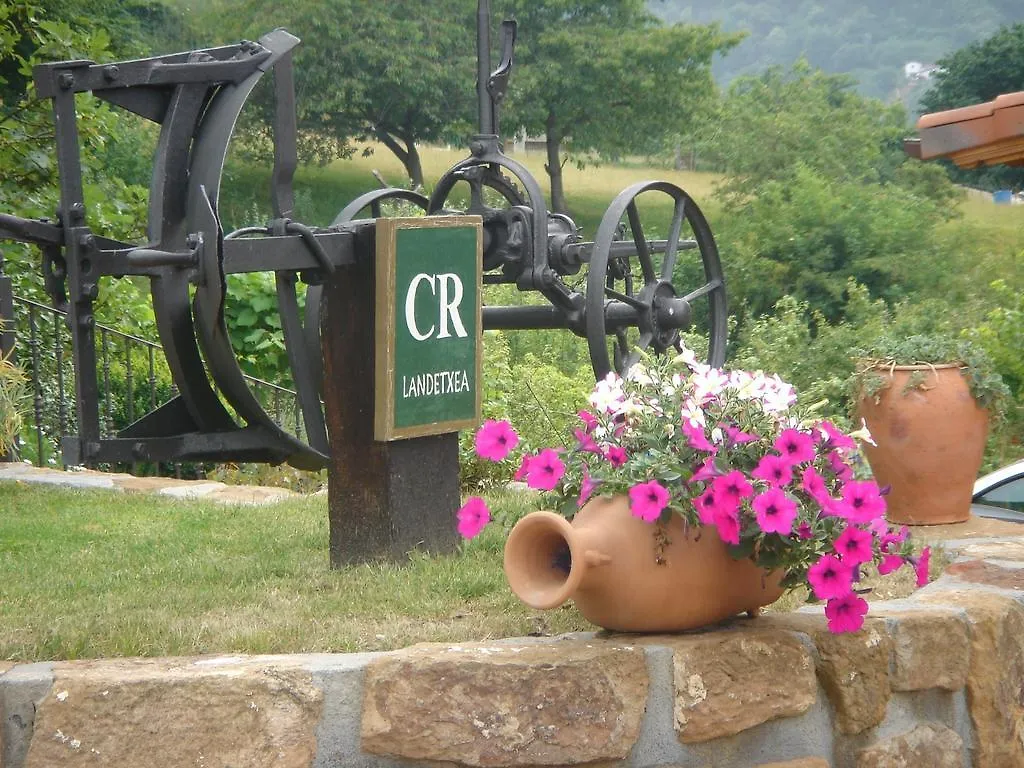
<point x="829" y="578"/>
<point x="795" y="446"/>
<point x="921" y="566"/>
<point x="774" y="470"/>
<point x="524" y="468"/>
<point x="585" y="442"/>
<point x="804" y="531"/>
<point x="727" y="521"/>
<point x="833" y="438"/>
<point x="646" y="500"/>
<point x="814" y="485"/>
<point x="495" y="440"/>
<point x="886" y="540"/>
<point x="843" y="470"/>
<point x="733" y="486"/>
<point x="846" y="613"/>
<point x="616" y="455"/>
<point x="587" y="486"/>
<point x="473" y="516"/>
<point x="775" y="511"/>
<point x="854" y="546"/>
<point x="736" y="436"/>
<point x="861" y="502"/>
<point x="695" y="436"/>
<point x="706" y="471"/>
<point x="890" y="563"/>
<point x="589" y="420"/>
<point x="545" y="470"/>
<point x="706" y="505"/>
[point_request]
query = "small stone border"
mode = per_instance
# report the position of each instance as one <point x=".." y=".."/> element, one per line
<point x="936" y="680"/>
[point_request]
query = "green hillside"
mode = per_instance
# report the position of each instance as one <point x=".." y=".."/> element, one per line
<point x="871" y="40"/>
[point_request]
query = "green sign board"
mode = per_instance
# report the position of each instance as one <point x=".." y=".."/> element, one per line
<point x="428" y="330"/>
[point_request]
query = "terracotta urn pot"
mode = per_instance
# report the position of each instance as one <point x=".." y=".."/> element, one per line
<point x="931" y="436"/>
<point x="606" y="561"/>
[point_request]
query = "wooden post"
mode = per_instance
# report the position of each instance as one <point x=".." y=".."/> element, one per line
<point x="385" y="497"/>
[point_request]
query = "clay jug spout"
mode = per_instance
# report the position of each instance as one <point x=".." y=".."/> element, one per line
<point x="546" y="559"/>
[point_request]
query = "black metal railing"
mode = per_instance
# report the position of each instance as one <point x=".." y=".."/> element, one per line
<point x="133" y="379"/>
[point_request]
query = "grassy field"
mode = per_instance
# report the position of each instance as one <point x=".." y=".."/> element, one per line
<point x="97" y="574"/>
<point x="322" y="192"/>
<point x="87" y="574"/>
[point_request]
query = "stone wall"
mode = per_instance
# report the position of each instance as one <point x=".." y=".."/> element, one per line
<point x="936" y="681"/>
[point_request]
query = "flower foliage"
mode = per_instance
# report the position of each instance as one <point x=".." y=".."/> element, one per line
<point x="732" y="450"/>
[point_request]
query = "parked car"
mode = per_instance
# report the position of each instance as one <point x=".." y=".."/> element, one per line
<point x="1000" y="494"/>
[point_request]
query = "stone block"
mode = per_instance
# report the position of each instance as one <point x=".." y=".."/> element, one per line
<point x="853" y="667"/>
<point x="929" y="745"/>
<point x="474" y="704"/>
<point x="995" y="679"/>
<point x="729" y="681"/>
<point x="800" y="762"/>
<point x="175" y="713"/>
<point x="981" y="572"/>
<point x="4" y="666"/>
<point x="931" y="649"/>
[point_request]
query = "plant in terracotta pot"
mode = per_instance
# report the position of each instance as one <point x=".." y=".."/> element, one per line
<point x="927" y="400"/>
<point x="688" y="494"/>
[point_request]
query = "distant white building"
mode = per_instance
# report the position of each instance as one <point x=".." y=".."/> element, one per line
<point x="915" y="70"/>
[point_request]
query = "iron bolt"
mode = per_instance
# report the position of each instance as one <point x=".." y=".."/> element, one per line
<point x="111" y="72"/>
<point x="476" y="147"/>
<point x="66" y="80"/>
<point x="91" y="449"/>
<point x="192" y="241"/>
<point x="77" y="211"/>
<point x="87" y="241"/>
<point x="87" y="321"/>
<point x="139" y="450"/>
<point x="90" y="290"/>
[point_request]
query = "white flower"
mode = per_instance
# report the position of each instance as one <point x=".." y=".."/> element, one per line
<point x="709" y="384"/>
<point x="693" y="413"/>
<point x="607" y="394"/>
<point x="639" y="374"/>
<point x="863" y="434"/>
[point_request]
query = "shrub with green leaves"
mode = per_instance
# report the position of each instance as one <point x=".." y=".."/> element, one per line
<point x="13" y="397"/>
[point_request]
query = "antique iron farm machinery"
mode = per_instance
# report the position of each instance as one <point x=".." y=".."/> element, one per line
<point x="626" y="296"/>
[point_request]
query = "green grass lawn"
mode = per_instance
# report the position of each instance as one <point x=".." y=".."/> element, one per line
<point x="100" y="574"/>
<point x="89" y="574"/>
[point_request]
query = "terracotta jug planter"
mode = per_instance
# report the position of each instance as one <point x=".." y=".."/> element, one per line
<point x="605" y="561"/>
<point x="931" y="437"/>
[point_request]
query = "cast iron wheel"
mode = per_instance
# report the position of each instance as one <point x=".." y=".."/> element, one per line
<point x="633" y="274"/>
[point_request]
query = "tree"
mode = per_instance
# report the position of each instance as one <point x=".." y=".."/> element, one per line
<point x="398" y="71"/>
<point x="978" y="73"/>
<point x="605" y="77"/>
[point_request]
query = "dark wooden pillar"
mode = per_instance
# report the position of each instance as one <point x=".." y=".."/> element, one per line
<point x="384" y="498"/>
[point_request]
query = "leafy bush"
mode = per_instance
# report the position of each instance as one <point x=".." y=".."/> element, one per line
<point x="13" y="395"/>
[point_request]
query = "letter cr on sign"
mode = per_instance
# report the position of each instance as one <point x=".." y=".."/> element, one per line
<point x="428" y="329"/>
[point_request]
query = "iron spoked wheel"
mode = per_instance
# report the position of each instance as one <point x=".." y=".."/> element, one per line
<point x="486" y="192"/>
<point x="652" y="238"/>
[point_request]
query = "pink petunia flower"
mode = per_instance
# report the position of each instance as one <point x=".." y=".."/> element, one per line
<point x="736" y="436"/>
<point x="814" y="486"/>
<point x="733" y="486"/>
<point x="835" y="439"/>
<point x="804" y="531"/>
<point x="846" y="613"/>
<point x="587" y="486"/>
<point x="886" y="540"/>
<point x="921" y="566"/>
<point x="696" y="438"/>
<point x="524" y="468"/>
<point x="843" y="470"/>
<point x="495" y="440"/>
<point x="706" y="471"/>
<point x="774" y="470"/>
<point x="829" y="578"/>
<point x="616" y="455"/>
<point x="862" y="502"/>
<point x="589" y="420"/>
<point x="890" y="563"/>
<point x="585" y="442"/>
<point x="473" y="516"/>
<point x="545" y="470"/>
<point x="727" y="521"/>
<point x="706" y="505"/>
<point x="775" y="511"/>
<point x="854" y="546"/>
<point x="646" y="500"/>
<point x="795" y="446"/>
